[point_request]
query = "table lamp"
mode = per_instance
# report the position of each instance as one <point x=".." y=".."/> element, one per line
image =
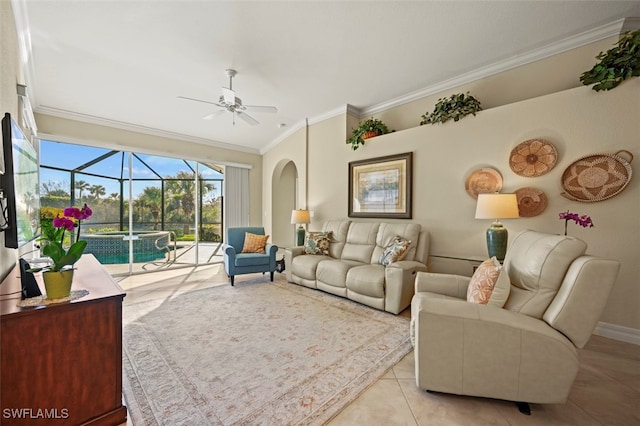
<point x="299" y="217"/>
<point x="497" y="206"/>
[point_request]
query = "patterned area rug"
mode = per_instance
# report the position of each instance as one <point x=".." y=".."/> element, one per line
<point x="259" y="353"/>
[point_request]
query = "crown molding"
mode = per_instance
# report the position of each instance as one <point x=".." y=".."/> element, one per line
<point x="566" y="44"/>
<point x="55" y="112"/>
<point x="346" y="109"/>
<point x="282" y="137"/>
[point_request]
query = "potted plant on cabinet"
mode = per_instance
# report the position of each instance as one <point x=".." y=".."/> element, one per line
<point x="454" y="107"/>
<point x="58" y="275"/>
<point x="366" y="129"/>
<point x="616" y="65"/>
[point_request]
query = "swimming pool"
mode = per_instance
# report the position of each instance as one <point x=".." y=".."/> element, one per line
<point x="113" y="247"/>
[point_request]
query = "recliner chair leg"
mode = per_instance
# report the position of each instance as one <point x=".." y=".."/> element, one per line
<point x="524" y="408"/>
<point x="271" y="275"/>
<point x="231" y="279"/>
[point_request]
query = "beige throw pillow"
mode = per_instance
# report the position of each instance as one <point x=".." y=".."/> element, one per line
<point x="489" y="285"/>
<point x="254" y="243"/>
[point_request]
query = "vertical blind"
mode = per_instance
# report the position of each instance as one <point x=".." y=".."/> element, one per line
<point x="236" y="197"/>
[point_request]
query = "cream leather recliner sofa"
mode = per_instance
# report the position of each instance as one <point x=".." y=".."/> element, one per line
<point x="353" y="270"/>
<point x="527" y="351"/>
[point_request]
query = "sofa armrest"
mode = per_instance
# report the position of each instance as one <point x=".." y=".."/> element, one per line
<point x="445" y="284"/>
<point x="229" y="250"/>
<point x="289" y="254"/>
<point x="472" y="349"/>
<point x="272" y="251"/>
<point x="229" y="259"/>
<point x="399" y="278"/>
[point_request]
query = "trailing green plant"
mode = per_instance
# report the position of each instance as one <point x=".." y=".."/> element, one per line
<point x="616" y="65"/>
<point x="454" y="107"/>
<point x="369" y="125"/>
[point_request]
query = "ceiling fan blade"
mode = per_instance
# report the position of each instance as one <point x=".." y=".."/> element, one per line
<point x="247" y="118"/>
<point x="262" y="108"/>
<point x="214" y="114"/>
<point x="199" y="100"/>
<point x="229" y="96"/>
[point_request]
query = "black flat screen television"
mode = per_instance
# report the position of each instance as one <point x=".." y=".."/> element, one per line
<point x="20" y="184"/>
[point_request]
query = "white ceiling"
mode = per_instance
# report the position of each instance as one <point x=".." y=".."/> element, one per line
<point x="126" y="62"/>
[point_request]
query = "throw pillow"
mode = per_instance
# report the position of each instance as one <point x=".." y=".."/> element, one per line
<point x="489" y="284"/>
<point x="317" y="243"/>
<point x="395" y="251"/>
<point x="254" y="243"/>
<point x="501" y="290"/>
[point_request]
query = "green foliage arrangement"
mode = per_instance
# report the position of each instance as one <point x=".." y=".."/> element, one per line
<point x="454" y="107"/>
<point x="358" y="135"/>
<point x="616" y="65"/>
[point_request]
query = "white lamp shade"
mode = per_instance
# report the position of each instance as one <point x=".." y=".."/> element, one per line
<point x="300" y="216"/>
<point x="497" y="206"/>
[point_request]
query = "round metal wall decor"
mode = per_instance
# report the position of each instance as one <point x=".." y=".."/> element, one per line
<point x="597" y="177"/>
<point x="533" y="158"/>
<point x="531" y="201"/>
<point x="482" y="181"/>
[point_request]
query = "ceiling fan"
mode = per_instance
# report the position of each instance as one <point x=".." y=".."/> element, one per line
<point x="229" y="102"/>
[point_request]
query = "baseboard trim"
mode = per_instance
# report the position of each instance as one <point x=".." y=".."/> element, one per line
<point x="618" y="332"/>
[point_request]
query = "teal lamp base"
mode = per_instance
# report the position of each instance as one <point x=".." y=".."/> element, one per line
<point x="497" y="237"/>
<point x="300" y="236"/>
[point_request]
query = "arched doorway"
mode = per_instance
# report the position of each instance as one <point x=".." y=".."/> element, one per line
<point x="284" y="190"/>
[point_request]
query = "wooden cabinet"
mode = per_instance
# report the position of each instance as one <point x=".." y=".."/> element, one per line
<point x="61" y="364"/>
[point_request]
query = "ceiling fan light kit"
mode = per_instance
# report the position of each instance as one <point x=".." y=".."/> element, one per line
<point x="229" y="102"/>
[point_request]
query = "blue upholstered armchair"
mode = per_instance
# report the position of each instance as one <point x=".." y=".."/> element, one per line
<point x="238" y="263"/>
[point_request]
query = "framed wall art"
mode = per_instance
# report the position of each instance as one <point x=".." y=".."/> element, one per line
<point x="381" y="187"/>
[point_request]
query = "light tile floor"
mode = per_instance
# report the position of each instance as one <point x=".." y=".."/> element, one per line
<point x="606" y="391"/>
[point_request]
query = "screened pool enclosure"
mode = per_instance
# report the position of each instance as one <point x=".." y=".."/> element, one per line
<point x="149" y="212"/>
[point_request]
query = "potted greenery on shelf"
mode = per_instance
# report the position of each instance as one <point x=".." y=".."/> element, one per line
<point x="455" y="107"/>
<point x="366" y="129"/>
<point x="616" y="65"/>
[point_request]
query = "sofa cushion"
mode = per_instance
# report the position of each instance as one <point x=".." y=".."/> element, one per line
<point x="317" y="243"/>
<point x="306" y="266"/>
<point x="254" y="243"/>
<point x="536" y="264"/>
<point x="395" y="250"/>
<point x="367" y="280"/>
<point x="339" y="230"/>
<point x="333" y="272"/>
<point x="361" y="240"/>
<point x="252" y="259"/>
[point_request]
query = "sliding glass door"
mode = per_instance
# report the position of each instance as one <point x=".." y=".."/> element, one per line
<point x="150" y="212"/>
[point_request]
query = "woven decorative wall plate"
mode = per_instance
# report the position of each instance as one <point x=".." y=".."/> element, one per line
<point x="482" y="181"/>
<point x="531" y="201"/>
<point x="533" y="158"/>
<point x="597" y="177"/>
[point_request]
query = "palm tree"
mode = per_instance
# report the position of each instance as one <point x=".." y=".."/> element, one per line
<point x="180" y="189"/>
<point x="152" y="197"/>
<point x="97" y="191"/>
<point x="81" y="186"/>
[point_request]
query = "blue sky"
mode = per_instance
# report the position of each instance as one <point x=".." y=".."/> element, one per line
<point x="69" y="156"/>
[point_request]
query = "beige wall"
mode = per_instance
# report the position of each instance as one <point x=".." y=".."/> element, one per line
<point x="10" y="75"/>
<point x="96" y="135"/>
<point x="543" y="77"/>
<point x="577" y="121"/>
<point x="277" y="161"/>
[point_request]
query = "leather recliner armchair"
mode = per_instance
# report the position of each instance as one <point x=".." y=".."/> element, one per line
<point x="526" y="351"/>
